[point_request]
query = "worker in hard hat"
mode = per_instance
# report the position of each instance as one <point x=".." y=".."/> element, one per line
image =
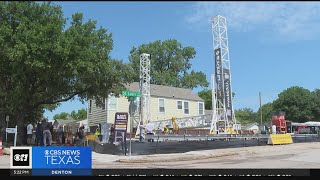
<point x="166" y="129"/>
<point x="98" y="133"/>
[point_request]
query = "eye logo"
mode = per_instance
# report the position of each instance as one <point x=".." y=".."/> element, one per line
<point x="46" y="152"/>
<point x="20" y="157"/>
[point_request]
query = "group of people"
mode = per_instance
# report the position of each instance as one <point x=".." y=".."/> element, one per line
<point x="43" y="134"/>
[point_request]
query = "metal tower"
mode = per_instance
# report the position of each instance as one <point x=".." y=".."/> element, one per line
<point x="145" y="90"/>
<point x="223" y="108"/>
<point x="214" y="119"/>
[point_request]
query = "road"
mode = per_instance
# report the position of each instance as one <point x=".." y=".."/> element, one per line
<point x="299" y="155"/>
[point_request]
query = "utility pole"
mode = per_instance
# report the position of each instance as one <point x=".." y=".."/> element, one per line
<point x="131" y="124"/>
<point x="260" y="109"/>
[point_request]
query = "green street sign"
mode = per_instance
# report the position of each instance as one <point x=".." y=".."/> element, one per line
<point x="131" y="94"/>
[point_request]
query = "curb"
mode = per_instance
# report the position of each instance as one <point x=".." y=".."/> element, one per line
<point x="181" y="158"/>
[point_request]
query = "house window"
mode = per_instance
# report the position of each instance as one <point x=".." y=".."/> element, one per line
<point x="112" y="103"/>
<point x="186" y="107"/>
<point x="90" y="106"/>
<point x="104" y="104"/>
<point x="201" y="108"/>
<point x="161" y="106"/>
<point x="179" y="104"/>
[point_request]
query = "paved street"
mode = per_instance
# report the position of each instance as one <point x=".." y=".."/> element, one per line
<point x="300" y="155"/>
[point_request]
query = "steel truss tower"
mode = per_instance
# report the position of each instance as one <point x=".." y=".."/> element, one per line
<point x="221" y="89"/>
<point x="145" y="90"/>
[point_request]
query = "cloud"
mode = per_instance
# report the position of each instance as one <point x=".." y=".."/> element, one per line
<point x="295" y="20"/>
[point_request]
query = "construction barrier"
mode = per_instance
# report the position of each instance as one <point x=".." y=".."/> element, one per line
<point x="280" y="139"/>
<point x="0" y="147"/>
<point x="91" y="137"/>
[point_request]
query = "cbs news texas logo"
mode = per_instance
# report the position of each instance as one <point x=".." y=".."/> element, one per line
<point x="21" y="157"/>
<point x="51" y="157"/>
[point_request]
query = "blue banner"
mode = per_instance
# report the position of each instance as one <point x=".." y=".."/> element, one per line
<point x="63" y="160"/>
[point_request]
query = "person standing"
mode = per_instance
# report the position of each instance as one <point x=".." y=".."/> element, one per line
<point x="60" y="135"/>
<point x="29" y="134"/>
<point x="47" y="134"/>
<point x="39" y="135"/>
<point x="98" y="132"/>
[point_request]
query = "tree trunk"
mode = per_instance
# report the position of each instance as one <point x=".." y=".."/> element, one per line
<point x="22" y="133"/>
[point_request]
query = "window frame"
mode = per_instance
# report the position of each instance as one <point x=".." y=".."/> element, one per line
<point x="202" y="108"/>
<point x="109" y="102"/>
<point x="181" y="105"/>
<point x="90" y="106"/>
<point x="164" y="109"/>
<point x="184" y="107"/>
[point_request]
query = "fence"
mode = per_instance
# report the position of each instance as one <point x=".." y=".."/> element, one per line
<point x="164" y="144"/>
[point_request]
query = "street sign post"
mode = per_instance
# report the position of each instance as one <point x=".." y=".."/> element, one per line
<point x="15" y="131"/>
<point x="132" y="96"/>
<point x="130" y="93"/>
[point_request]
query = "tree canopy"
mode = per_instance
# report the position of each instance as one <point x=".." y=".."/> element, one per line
<point x="298" y="103"/>
<point x="79" y="115"/>
<point x="44" y="62"/>
<point x="170" y="64"/>
<point x="206" y="95"/>
<point x="245" y="115"/>
<point x="62" y="115"/>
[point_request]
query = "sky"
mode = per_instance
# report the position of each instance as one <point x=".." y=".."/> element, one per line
<point x="272" y="45"/>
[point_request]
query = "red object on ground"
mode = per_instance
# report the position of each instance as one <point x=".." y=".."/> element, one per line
<point x="280" y="123"/>
<point x="0" y="147"/>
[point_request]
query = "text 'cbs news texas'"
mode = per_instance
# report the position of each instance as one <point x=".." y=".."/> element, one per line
<point x="51" y="161"/>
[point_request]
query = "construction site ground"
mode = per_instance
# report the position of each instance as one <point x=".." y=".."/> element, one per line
<point x="299" y="155"/>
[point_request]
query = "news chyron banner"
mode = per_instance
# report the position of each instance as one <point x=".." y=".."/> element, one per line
<point x="51" y="161"/>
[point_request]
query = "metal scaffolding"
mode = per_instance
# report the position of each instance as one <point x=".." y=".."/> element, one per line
<point x="222" y="92"/>
<point x="145" y="90"/>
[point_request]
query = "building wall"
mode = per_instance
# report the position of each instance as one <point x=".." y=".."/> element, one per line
<point x="97" y="115"/>
<point x="171" y="109"/>
<point x="255" y="127"/>
<point x="122" y="106"/>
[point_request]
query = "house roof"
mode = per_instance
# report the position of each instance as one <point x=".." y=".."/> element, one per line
<point x="248" y="126"/>
<point x="309" y="123"/>
<point x="62" y="121"/>
<point x="167" y="91"/>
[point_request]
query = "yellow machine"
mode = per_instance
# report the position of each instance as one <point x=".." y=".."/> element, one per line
<point x="174" y="129"/>
<point x="175" y="126"/>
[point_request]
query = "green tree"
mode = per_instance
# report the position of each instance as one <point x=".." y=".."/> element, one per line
<point x="170" y="64"/>
<point x="246" y="115"/>
<point x="80" y="115"/>
<point x="297" y="102"/>
<point x="62" y="115"/>
<point x="206" y="95"/>
<point x="43" y="62"/>
<point x="267" y="110"/>
<point x="316" y="110"/>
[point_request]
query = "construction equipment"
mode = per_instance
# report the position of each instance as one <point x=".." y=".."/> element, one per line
<point x="280" y="122"/>
<point x="175" y="126"/>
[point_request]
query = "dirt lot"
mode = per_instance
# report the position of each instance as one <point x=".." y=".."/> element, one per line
<point x="300" y="155"/>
